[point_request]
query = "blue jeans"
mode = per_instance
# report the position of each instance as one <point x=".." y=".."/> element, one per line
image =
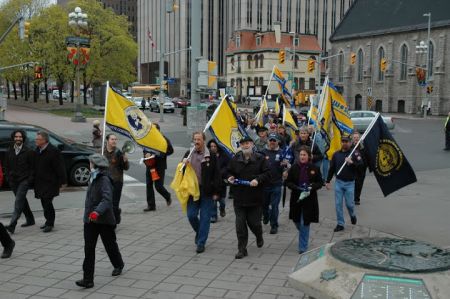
<point x="303" y="235"/>
<point x="203" y="206"/>
<point x="344" y="190"/>
<point x="325" y="166"/>
<point x="221" y="203"/>
<point x="272" y="196"/>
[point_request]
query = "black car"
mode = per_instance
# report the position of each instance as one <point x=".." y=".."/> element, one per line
<point x="76" y="156"/>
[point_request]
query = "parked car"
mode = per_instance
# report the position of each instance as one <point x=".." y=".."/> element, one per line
<point x="362" y="119"/>
<point x="75" y="155"/>
<point x="180" y="103"/>
<point x="168" y="106"/>
<point x="55" y="95"/>
<point x="138" y="102"/>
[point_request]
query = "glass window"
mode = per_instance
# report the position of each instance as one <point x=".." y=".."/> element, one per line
<point x="238" y="41"/>
<point x="256" y="61"/>
<point x="360" y="65"/>
<point x="380" y="57"/>
<point x="296" y="62"/>
<point x="258" y="40"/>
<point x="404" y="61"/>
<point x="261" y="81"/>
<point x="261" y="60"/>
<point x="249" y="61"/>
<point x="255" y="81"/>
<point x="341" y="67"/>
<point x="431" y="59"/>
<point x="312" y="83"/>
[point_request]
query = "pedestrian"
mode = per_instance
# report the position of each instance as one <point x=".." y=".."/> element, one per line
<point x="98" y="220"/>
<point x="248" y="100"/>
<point x="156" y="165"/>
<point x="272" y="191"/>
<point x="248" y="172"/>
<point x="143" y="103"/>
<point x="49" y="177"/>
<point x="222" y="161"/>
<point x="360" y="169"/>
<point x="118" y="162"/>
<point x="261" y="141"/>
<point x="97" y="135"/>
<point x="208" y="175"/>
<point x="344" y="187"/>
<point x="304" y="179"/>
<point x="304" y="139"/>
<point x="285" y="138"/>
<point x="447" y="133"/>
<point x="19" y="168"/>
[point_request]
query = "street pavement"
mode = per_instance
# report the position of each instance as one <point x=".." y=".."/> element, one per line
<point x="158" y="247"/>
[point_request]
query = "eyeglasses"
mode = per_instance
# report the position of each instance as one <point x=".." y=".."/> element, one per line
<point x="273" y="140"/>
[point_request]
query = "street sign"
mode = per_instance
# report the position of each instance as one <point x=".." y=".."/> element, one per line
<point x="78" y="40"/>
<point x="369" y="91"/>
<point x="171" y="80"/>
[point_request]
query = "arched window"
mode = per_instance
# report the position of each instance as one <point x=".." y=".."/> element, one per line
<point x="360" y="65"/>
<point x="341" y="67"/>
<point x="431" y="58"/>
<point x="261" y="60"/>
<point x="256" y="61"/>
<point x="296" y="62"/>
<point x="380" y="57"/>
<point x="261" y="81"/>
<point x="249" y="60"/>
<point x="404" y="62"/>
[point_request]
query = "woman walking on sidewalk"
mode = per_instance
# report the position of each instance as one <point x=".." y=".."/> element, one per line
<point x="99" y="220"/>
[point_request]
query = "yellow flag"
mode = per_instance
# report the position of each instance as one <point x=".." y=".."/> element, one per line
<point x="225" y="128"/>
<point x="124" y="117"/>
<point x="288" y="120"/>
<point x="185" y="184"/>
<point x="277" y="108"/>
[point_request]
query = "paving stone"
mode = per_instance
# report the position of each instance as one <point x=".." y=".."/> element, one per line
<point x="30" y="289"/>
<point x="122" y="291"/>
<point x="213" y="292"/>
<point x="52" y="292"/>
<point x="190" y="289"/>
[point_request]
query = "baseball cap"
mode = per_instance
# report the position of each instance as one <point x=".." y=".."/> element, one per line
<point x="273" y="136"/>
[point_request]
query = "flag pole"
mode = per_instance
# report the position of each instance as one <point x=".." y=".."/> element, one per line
<point x="361" y="139"/>
<point x="270" y="81"/>
<point x="104" y="117"/>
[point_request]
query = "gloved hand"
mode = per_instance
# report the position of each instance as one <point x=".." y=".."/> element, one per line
<point x="93" y="216"/>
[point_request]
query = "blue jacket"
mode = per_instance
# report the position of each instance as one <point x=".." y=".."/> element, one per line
<point x="274" y="158"/>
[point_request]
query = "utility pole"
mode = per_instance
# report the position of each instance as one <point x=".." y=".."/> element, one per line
<point x="196" y="27"/>
<point x="162" y="54"/>
<point x="425" y="108"/>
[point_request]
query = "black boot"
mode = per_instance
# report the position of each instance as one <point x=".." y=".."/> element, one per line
<point x="84" y="283"/>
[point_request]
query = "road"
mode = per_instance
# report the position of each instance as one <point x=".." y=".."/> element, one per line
<point x="418" y="211"/>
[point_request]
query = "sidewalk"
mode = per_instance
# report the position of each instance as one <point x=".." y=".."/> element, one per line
<point x="160" y="260"/>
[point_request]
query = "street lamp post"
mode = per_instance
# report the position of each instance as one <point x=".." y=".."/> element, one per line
<point x="428" y="61"/>
<point x="293" y="67"/>
<point x="78" y="21"/>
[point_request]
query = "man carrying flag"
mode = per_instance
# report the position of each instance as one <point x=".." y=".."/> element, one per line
<point x="385" y="158"/>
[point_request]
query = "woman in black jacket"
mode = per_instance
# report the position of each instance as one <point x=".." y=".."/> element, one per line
<point x="304" y="179"/>
<point x="99" y="220"/>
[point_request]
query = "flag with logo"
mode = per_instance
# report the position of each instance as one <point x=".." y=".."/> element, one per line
<point x="334" y="119"/>
<point x="386" y="160"/>
<point x="278" y="75"/>
<point x="124" y="117"/>
<point x="224" y="127"/>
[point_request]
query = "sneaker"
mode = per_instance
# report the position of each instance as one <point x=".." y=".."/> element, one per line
<point x="7" y="251"/>
<point x="148" y="209"/>
<point x="353" y="219"/>
<point x="47" y="229"/>
<point x="117" y="271"/>
<point x="84" y="283"/>
<point x="10" y="228"/>
<point x="200" y="248"/>
<point x="27" y="224"/>
<point x="241" y="254"/>
<point x="338" y="228"/>
<point x="259" y="241"/>
<point x="213" y="219"/>
<point x="274" y="230"/>
<point x="222" y="212"/>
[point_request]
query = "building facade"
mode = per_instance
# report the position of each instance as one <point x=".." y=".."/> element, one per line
<point x="397" y="89"/>
<point x="251" y="56"/>
<point x="220" y="19"/>
<point x="120" y="7"/>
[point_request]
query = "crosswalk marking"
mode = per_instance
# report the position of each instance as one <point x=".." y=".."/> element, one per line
<point x="129" y="181"/>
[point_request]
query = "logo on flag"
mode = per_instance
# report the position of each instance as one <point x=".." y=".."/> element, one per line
<point x="389" y="157"/>
<point x="138" y="127"/>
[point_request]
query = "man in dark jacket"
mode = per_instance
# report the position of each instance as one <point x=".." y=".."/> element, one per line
<point x="99" y="220"/>
<point x="19" y="166"/>
<point x="208" y="175"/>
<point x="272" y="191"/>
<point x="158" y="164"/>
<point x="305" y="139"/>
<point x="248" y="172"/>
<point x="118" y="162"/>
<point x="50" y="176"/>
<point x="345" y="181"/>
<point x="360" y="169"/>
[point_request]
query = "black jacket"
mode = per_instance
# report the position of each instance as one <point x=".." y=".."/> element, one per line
<point x="50" y="173"/>
<point x="257" y="168"/>
<point x="99" y="199"/>
<point x="317" y="154"/>
<point x="309" y="206"/>
<point x="19" y="167"/>
<point x="349" y="172"/>
<point x="161" y="160"/>
<point x="211" y="180"/>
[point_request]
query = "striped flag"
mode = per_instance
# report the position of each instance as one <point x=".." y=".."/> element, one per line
<point x="150" y="37"/>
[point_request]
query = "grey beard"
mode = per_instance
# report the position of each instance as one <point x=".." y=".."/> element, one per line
<point x="247" y="152"/>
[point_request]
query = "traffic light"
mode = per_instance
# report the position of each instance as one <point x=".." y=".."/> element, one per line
<point x="383" y="64"/>
<point x="26" y="29"/>
<point x="311" y="65"/>
<point x="38" y="72"/>
<point x="429" y="89"/>
<point x="281" y="56"/>
<point x="212" y="75"/>
<point x="352" y="58"/>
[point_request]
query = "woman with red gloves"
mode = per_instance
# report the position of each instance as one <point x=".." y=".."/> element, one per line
<point x="99" y="220"/>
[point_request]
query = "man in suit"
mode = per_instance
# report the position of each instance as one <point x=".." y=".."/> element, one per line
<point x="50" y="176"/>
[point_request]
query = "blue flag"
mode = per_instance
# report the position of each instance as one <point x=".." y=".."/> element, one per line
<point x="387" y="161"/>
